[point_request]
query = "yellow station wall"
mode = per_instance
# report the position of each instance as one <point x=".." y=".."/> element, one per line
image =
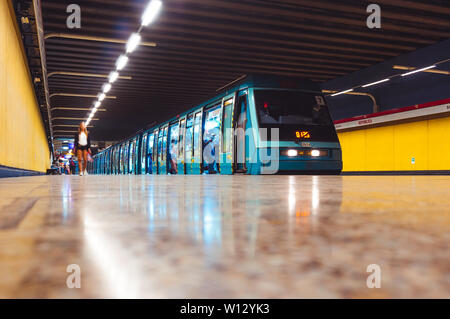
<point x="23" y="141"/>
<point x="391" y="148"/>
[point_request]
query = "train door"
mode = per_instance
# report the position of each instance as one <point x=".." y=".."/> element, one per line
<point x="126" y="155"/>
<point x="241" y="152"/>
<point x="226" y="142"/>
<point x="162" y="143"/>
<point x="106" y="162"/>
<point x="197" y="160"/>
<point x="113" y="153"/>
<point x="180" y="158"/>
<point x="211" y="139"/>
<point x="149" y="158"/>
<point x="121" y="159"/>
<point x="163" y="162"/>
<point x="144" y="153"/>
<point x="189" y="144"/>
<point x="105" y="154"/>
<point x="116" y="158"/>
<point x="156" y="150"/>
<point x="136" y="156"/>
<point x="102" y="163"/>
<point x="131" y="159"/>
<point x="172" y="154"/>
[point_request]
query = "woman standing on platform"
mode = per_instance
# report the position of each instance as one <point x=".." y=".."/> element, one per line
<point x="83" y="147"/>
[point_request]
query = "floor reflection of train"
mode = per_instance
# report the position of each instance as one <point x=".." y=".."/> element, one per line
<point x="256" y="125"/>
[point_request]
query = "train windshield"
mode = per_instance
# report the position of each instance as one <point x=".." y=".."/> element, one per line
<point x="291" y="108"/>
<point x="294" y="111"/>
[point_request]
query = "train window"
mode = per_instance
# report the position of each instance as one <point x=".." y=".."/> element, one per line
<point x="116" y="157"/>
<point x="211" y="139"/>
<point x="121" y="159"/>
<point x="144" y="153"/>
<point x="155" y="146"/>
<point x="127" y="156"/>
<point x="112" y="161"/>
<point x="197" y="148"/>
<point x="122" y="167"/>
<point x="150" y="152"/>
<point x="173" y="148"/>
<point x="131" y="157"/>
<point x="189" y="135"/>
<point x="292" y="112"/>
<point x="136" y="156"/>
<point x="164" y="146"/>
<point x="181" y="139"/>
<point x="160" y="138"/>
<point x="125" y="159"/>
<point x="226" y="125"/>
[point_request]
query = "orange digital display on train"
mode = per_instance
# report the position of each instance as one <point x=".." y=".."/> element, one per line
<point x="302" y="134"/>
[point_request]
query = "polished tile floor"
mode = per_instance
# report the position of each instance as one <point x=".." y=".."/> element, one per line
<point x="225" y="237"/>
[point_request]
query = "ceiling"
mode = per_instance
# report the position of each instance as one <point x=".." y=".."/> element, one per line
<point x="202" y="45"/>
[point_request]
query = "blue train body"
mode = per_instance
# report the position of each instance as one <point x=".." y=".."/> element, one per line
<point x="258" y="125"/>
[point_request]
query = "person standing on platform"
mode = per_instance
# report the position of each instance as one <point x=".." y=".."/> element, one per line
<point x="72" y="166"/>
<point x="83" y="147"/>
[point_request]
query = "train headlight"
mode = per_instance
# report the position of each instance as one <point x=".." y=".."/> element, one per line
<point x="315" y="153"/>
<point x="292" y="153"/>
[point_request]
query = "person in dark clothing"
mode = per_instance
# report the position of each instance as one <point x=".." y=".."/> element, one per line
<point x="72" y="166"/>
<point x="82" y="146"/>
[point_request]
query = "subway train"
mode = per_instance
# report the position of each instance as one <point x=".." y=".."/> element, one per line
<point x="255" y="125"/>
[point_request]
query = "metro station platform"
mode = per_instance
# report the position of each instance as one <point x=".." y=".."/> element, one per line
<point x="225" y="236"/>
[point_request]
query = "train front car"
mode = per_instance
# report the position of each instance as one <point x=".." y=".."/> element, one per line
<point x="295" y="133"/>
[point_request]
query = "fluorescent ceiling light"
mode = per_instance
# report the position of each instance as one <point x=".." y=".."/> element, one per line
<point x="101" y="97"/>
<point x="151" y="12"/>
<point x="419" y="70"/>
<point x="113" y="76"/>
<point x="106" y="87"/>
<point x="370" y="84"/>
<point x="121" y="62"/>
<point x="133" y="42"/>
<point x="338" y="93"/>
<point x="97" y="104"/>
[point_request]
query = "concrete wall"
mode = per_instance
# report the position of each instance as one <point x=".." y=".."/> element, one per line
<point x="393" y="147"/>
<point x="23" y="142"/>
